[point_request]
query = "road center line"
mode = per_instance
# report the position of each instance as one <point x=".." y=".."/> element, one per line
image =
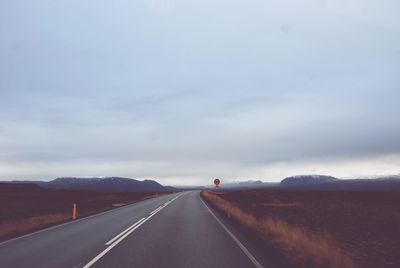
<point x="156" y="210"/>
<point x="123" y="232"/>
<point x="104" y="252"/>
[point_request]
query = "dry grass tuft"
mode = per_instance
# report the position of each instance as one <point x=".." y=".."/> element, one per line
<point x="25" y="208"/>
<point x="301" y="247"/>
<point x="8" y="229"/>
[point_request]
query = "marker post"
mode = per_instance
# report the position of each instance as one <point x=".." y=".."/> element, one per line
<point x="74" y="211"/>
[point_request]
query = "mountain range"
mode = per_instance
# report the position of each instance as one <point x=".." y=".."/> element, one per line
<point x="250" y="184"/>
<point x="104" y="184"/>
<point x="320" y="182"/>
<point x="300" y="182"/>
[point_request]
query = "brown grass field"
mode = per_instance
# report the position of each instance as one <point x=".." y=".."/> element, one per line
<point x="26" y="208"/>
<point x="320" y="228"/>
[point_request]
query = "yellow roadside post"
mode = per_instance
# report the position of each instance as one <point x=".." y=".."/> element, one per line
<point x="74" y="211"/>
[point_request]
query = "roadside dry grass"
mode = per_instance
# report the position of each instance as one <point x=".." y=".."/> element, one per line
<point x="302" y="247"/>
<point x="13" y="228"/>
<point x="27" y="208"/>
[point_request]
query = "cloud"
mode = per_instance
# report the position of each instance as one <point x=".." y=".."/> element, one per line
<point x="207" y="89"/>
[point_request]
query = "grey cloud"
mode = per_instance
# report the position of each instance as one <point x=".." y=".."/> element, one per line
<point x="192" y="86"/>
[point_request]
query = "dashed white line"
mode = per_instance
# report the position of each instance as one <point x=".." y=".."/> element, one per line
<point x="156" y="210"/>
<point x="125" y="233"/>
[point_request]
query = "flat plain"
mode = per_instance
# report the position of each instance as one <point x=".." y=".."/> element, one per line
<point x="26" y="208"/>
<point x="363" y="226"/>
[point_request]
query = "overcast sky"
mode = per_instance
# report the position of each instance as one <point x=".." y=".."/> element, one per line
<point x="185" y="91"/>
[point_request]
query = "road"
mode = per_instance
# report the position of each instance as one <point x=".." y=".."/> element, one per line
<point x="177" y="230"/>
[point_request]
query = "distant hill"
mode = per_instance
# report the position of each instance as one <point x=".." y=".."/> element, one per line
<point x="7" y="187"/>
<point x="302" y="180"/>
<point x="388" y="184"/>
<point x="250" y="184"/>
<point x="104" y="184"/>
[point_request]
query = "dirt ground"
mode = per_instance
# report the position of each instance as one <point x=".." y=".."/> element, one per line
<point x="366" y="225"/>
<point x="25" y="207"/>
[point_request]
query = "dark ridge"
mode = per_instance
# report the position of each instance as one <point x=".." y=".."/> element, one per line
<point x="387" y="184"/>
<point x="307" y="180"/>
<point x="106" y="184"/>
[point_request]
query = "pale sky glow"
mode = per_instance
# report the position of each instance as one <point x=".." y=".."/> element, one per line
<point x="185" y="91"/>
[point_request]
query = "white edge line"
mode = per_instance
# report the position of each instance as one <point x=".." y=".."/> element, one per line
<point x="241" y="246"/>
<point x="95" y="259"/>
<point x="123" y="232"/>
<point x="74" y="221"/>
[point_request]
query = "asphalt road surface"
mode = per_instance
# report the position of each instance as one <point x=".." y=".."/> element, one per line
<point x="177" y="230"/>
